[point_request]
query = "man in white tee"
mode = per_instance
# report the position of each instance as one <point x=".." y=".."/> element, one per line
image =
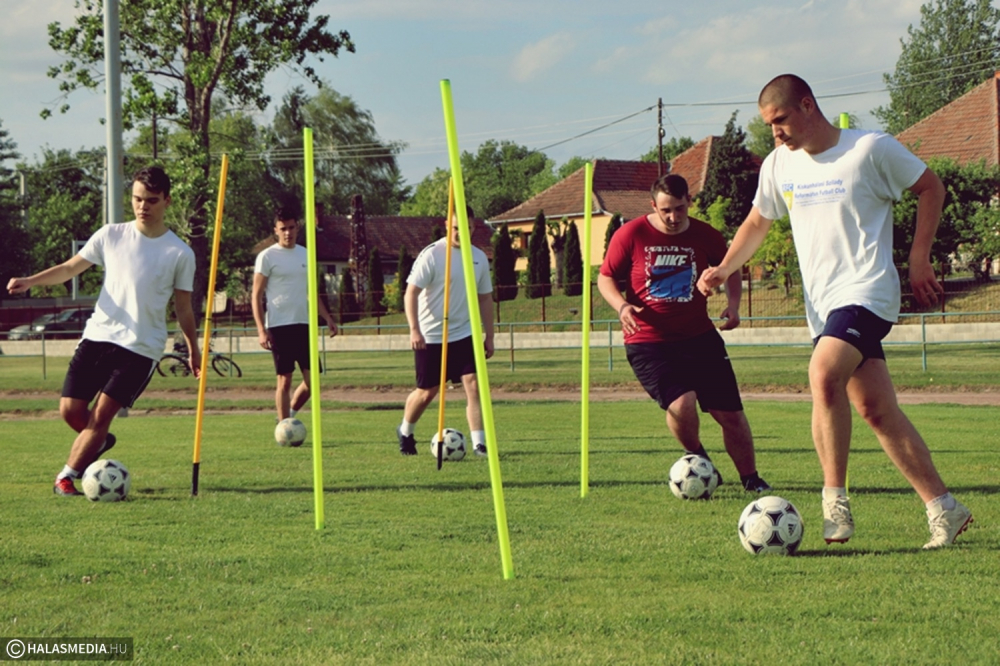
<point x="144" y="265"/>
<point x="281" y="308"/>
<point x="424" y="304"/>
<point x="838" y="187"/>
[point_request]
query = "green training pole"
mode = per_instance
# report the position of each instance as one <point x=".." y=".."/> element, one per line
<point x="314" y="390"/>
<point x="588" y="195"/>
<point x="845" y="123"/>
<point x="482" y="375"/>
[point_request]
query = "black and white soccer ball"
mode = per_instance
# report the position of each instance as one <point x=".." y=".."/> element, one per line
<point x="693" y="477"/>
<point x="770" y="525"/>
<point x="106" y="481"/>
<point x="290" y="432"/>
<point x="454" y="445"/>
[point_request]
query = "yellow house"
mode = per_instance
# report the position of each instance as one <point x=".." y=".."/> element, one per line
<point x="620" y="187"/>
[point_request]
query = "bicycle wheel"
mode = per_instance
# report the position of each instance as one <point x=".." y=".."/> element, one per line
<point x="173" y="365"/>
<point x="223" y="364"/>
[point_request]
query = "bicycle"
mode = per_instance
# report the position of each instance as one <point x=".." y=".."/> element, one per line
<point x="176" y="364"/>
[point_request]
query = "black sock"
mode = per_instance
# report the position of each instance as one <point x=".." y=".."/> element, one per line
<point x="701" y="452"/>
<point x="752" y="476"/>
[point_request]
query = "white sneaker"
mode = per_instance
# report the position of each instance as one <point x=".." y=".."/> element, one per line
<point x="946" y="525"/>
<point x="838" y="525"/>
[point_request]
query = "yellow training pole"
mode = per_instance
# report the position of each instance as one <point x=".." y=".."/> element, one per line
<point x="477" y="326"/>
<point x="444" y="333"/>
<point x="209" y="303"/>
<point x="845" y="123"/>
<point x="585" y="309"/>
<point x="314" y="389"/>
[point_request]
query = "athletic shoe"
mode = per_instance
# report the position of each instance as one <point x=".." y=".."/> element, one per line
<point x="755" y="484"/>
<point x="109" y="443"/>
<point x="718" y="477"/>
<point x="407" y="443"/>
<point x="838" y="525"/>
<point x="946" y="525"/>
<point x="65" y="487"/>
<point x="479" y="449"/>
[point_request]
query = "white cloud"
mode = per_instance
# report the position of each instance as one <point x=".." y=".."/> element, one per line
<point x="540" y="56"/>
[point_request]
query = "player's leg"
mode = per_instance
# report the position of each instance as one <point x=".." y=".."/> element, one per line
<point x="303" y="358"/>
<point x="427" y="366"/>
<point x="283" y="395"/>
<point x="684" y="423"/>
<point x="89" y="442"/>
<point x="462" y="368"/>
<point x="302" y="393"/>
<point x="283" y="354"/>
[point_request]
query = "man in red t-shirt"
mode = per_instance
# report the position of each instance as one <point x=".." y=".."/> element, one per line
<point x="670" y="341"/>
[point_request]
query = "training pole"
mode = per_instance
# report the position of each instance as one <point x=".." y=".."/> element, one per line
<point x="444" y="332"/>
<point x="585" y="323"/>
<point x="482" y="374"/>
<point x="314" y="389"/>
<point x="209" y="306"/>
<point x="845" y="123"/>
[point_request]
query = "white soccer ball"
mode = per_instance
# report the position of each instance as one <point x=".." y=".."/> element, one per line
<point x="106" y="481"/>
<point x="290" y="432"/>
<point x="454" y="445"/>
<point x="770" y="525"/>
<point x="693" y="477"/>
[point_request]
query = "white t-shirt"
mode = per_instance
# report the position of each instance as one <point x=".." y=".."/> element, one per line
<point x="140" y="276"/>
<point x="428" y="274"/>
<point x="840" y="205"/>
<point x="287" y="291"/>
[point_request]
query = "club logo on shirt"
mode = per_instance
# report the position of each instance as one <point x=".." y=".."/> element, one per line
<point x="671" y="273"/>
<point x="787" y="192"/>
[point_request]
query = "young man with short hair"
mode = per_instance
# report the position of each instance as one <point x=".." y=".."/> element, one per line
<point x="145" y="265"/>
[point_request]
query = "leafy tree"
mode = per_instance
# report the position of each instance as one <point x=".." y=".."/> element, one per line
<point x="715" y="215"/>
<point x="572" y="262"/>
<point x="731" y="175"/>
<point x="671" y="149"/>
<point x="430" y="196"/>
<point x="502" y="174"/>
<point x="953" y="50"/>
<point x="760" y="140"/>
<point x="403" y="267"/>
<point x="376" y="284"/>
<point x="539" y="260"/>
<point x="504" y="259"/>
<point x="613" y="226"/>
<point x="14" y="251"/>
<point x="350" y="158"/>
<point x="571" y="166"/>
<point x="556" y="245"/>
<point x="349" y="309"/>
<point x="777" y="253"/>
<point x="177" y="58"/>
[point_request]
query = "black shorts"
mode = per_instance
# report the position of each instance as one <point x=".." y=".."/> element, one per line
<point x="461" y="362"/>
<point x="290" y="345"/>
<point x="668" y="370"/>
<point x="859" y="327"/>
<point x="104" y="367"/>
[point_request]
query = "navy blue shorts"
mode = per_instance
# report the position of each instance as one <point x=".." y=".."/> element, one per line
<point x="859" y="327"/>
<point x="461" y="362"/>
<point x="290" y="345"/>
<point x="104" y="367"/>
<point x="668" y="370"/>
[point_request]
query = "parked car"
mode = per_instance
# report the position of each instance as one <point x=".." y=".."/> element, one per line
<point x="66" y="324"/>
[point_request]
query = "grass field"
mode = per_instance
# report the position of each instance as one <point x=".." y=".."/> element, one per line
<point x="408" y="571"/>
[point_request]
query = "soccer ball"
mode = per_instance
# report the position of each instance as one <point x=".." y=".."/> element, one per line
<point x="770" y="525"/>
<point x="693" y="477"/>
<point x="106" y="481"/>
<point x="454" y="445"/>
<point x="290" y="432"/>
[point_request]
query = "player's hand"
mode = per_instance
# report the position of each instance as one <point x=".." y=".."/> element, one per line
<point x="627" y="318"/>
<point x="194" y="361"/>
<point x="332" y="325"/>
<point x="17" y="285"/>
<point x="710" y="280"/>
<point x="265" y="339"/>
<point x="417" y="340"/>
<point x="926" y="288"/>
<point x="488" y="346"/>
<point x="731" y="317"/>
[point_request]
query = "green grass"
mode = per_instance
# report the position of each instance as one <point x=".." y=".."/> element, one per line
<point x="407" y="569"/>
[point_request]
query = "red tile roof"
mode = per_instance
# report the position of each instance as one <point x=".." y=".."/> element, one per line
<point x="967" y="129"/>
<point x="619" y="187"/>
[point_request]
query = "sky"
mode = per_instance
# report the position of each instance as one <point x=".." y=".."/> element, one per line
<point x="538" y="72"/>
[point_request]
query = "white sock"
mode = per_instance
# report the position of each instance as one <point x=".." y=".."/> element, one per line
<point x="946" y="502"/>
<point x="829" y="492"/>
<point x="478" y="437"/>
<point x="68" y="471"/>
<point x="407" y="428"/>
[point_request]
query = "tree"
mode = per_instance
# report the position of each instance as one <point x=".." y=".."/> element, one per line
<point x="777" y="253"/>
<point x="376" y="284"/>
<point x="571" y="166"/>
<point x="350" y="158"/>
<point x="349" y="309"/>
<point x="760" y="140"/>
<point x="503" y="272"/>
<point x="502" y="174"/>
<point x="14" y="251"/>
<point x="732" y="174"/>
<point x="403" y="267"/>
<point x="556" y="245"/>
<point x="572" y="262"/>
<point x="613" y="226"/>
<point x="430" y="197"/>
<point x="177" y="57"/>
<point x="539" y="260"/>
<point x="671" y="149"/>
<point x="953" y="50"/>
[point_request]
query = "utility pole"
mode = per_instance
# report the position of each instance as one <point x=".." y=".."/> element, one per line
<point x="660" y="133"/>
<point x="113" y="111"/>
